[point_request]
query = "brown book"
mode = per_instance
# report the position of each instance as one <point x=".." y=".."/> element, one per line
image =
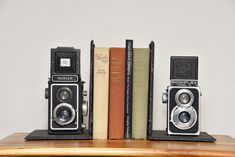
<point x="116" y="93"/>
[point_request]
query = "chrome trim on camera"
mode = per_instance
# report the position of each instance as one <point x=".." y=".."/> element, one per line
<point x="184" y="82"/>
<point x="64" y="80"/>
<point x="187" y="92"/>
<point x="187" y="134"/>
<point x="57" y="119"/>
<point x="76" y="111"/>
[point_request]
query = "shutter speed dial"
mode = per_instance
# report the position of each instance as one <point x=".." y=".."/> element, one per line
<point x="85" y="108"/>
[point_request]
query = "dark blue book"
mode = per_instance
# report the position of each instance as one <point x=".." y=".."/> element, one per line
<point x="128" y="90"/>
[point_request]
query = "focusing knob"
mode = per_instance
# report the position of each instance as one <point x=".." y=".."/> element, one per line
<point x="164" y="97"/>
<point x="46" y="93"/>
<point x="84" y="108"/>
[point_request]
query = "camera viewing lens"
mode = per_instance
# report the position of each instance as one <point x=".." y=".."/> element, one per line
<point x="64" y="114"/>
<point x="184" y="117"/>
<point x="64" y="94"/>
<point x="184" y="98"/>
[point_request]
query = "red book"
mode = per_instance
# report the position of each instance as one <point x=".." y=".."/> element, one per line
<point x="116" y="93"/>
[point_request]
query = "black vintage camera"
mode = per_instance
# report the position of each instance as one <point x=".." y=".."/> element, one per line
<point x="68" y="111"/>
<point x="183" y="97"/>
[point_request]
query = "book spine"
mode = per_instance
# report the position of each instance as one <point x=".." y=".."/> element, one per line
<point x="151" y="86"/>
<point x="128" y="90"/>
<point x="101" y="93"/>
<point x="140" y="93"/>
<point x="116" y="93"/>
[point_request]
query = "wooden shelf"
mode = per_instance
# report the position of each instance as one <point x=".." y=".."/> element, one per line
<point x="15" y="145"/>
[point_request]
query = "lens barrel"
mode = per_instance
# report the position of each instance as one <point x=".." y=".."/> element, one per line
<point x="184" y="117"/>
<point x="64" y="114"/>
<point x="184" y="98"/>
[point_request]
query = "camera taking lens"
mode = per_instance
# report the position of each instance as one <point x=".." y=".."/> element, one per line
<point x="64" y="115"/>
<point x="184" y="117"/>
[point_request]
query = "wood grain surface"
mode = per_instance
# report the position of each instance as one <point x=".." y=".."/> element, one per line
<point x="15" y="145"/>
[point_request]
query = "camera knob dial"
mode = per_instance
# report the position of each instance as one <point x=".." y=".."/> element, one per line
<point x="46" y="93"/>
<point x="85" y="108"/>
<point x="83" y="125"/>
<point x="84" y="93"/>
<point x="164" y="97"/>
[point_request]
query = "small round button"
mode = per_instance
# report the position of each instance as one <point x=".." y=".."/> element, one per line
<point x="164" y="98"/>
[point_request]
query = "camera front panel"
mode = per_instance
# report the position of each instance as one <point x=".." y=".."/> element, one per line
<point x="64" y="107"/>
<point x="183" y="111"/>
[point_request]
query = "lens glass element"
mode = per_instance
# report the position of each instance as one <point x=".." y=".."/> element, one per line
<point x="184" y="117"/>
<point x="64" y="114"/>
<point x="64" y="94"/>
<point x="184" y="98"/>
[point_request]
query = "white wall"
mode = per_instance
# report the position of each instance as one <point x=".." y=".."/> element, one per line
<point x="29" y="28"/>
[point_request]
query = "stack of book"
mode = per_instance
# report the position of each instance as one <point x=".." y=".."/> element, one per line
<point x="121" y="83"/>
